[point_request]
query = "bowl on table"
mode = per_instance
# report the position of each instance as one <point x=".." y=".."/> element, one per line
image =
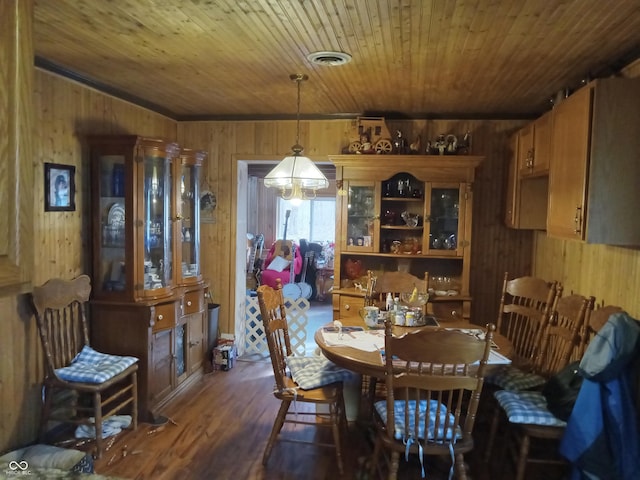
<point x="414" y="299"/>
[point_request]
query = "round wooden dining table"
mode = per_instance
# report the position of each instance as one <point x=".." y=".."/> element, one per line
<point x="370" y="363"/>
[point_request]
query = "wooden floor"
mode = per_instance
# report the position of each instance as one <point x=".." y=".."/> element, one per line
<point x="220" y="429"/>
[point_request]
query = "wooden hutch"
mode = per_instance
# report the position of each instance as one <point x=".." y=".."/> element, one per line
<point x="148" y="294"/>
<point x="404" y="212"/>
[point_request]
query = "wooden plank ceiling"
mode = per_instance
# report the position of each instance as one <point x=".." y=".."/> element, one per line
<point x="410" y="58"/>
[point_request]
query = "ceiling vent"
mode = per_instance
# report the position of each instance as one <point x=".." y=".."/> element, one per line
<point x="330" y="59"/>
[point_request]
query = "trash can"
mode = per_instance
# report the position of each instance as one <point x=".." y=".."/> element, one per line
<point x="214" y="314"/>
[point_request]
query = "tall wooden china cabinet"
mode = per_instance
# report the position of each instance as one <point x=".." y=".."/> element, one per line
<point x="148" y="291"/>
<point x="404" y="212"/>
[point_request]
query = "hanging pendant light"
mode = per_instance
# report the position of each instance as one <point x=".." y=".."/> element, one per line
<point x="296" y="176"/>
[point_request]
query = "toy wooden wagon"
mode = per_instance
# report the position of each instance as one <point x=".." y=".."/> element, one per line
<point x="370" y="135"/>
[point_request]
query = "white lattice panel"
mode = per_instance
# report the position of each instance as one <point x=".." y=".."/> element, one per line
<point x="297" y="321"/>
<point x="255" y="340"/>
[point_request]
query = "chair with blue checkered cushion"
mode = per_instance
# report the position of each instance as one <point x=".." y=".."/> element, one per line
<point x="274" y="318"/>
<point x="433" y="383"/>
<point x="101" y="384"/>
<point x="396" y="283"/>
<point x="526" y="304"/>
<point x="526" y="414"/>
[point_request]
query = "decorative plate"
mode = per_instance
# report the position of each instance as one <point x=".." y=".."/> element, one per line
<point x="116" y="215"/>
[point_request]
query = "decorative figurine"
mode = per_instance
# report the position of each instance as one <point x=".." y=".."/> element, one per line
<point x="440" y="144"/>
<point x="399" y="143"/>
<point x="452" y="144"/>
<point x="415" y="146"/>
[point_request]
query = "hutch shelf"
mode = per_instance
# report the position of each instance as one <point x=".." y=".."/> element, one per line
<point x="404" y="212"/>
<point x="148" y="292"/>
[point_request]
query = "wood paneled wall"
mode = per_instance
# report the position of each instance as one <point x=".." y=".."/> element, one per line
<point x="64" y="113"/>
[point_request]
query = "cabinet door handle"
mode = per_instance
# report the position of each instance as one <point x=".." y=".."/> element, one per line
<point x="578" y="219"/>
<point x="193" y="344"/>
<point x="347" y="307"/>
<point x="160" y="317"/>
<point x="454" y="314"/>
<point x="189" y="303"/>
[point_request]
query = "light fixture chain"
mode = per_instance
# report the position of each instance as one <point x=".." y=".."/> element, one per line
<point x="298" y="80"/>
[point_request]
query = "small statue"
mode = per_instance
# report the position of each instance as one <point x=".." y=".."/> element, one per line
<point x="429" y="150"/>
<point x="464" y="146"/>
<point x="399" y="143"/>
<point x="415" y="146"/>
<point x="365" y="144"/>
<point x="452" y="144"/>
<point x="440" y="144"/>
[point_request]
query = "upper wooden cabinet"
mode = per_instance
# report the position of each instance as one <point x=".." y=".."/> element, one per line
<point x="527" y="195"/>
<point x="593" y="179"/>
<point x="534" y="147"/>
<point x="405" y="212"/>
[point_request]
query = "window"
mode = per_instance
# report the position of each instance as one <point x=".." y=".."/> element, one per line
<point x="313" y="220"/>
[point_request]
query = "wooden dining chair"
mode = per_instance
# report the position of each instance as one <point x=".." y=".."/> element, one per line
<point x="526" y="304"/>
<point x="433" y="382"/>
<point x="527" y="417"/>
<point x="592" y="325"/>
<point x="397" y="283"/>
<point x="274" y="318"/>
<point x="100" y="385"/>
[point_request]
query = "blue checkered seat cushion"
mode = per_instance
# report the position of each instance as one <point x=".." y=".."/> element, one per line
<point x="314" y="372"/>
<point x="91" y="366"/>
<point x="514" y="379"/>
<point x="528" y="407"/>
<point x="431" y="434"/>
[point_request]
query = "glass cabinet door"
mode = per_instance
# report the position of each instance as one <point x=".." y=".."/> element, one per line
<point x="402" y="215"/>
<point x="111" y="267"/>
<point x="446" y="218"/>
<point x="157" y="236"/>
<point x="188" y="216"/>
<point x="361" y="217"/>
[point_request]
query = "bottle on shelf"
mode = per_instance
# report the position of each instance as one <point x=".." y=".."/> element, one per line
<point x="389" y="303"/>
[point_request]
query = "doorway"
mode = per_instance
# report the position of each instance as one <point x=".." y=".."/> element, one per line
<point x="262" y="211"/>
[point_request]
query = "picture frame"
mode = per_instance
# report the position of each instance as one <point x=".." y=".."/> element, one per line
<point x="208" y="203"/>
<point x="59" y="187"/>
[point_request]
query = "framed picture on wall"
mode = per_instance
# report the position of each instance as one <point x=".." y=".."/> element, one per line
<point x="59" y="188"/>
<point x="208" y="204"/>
